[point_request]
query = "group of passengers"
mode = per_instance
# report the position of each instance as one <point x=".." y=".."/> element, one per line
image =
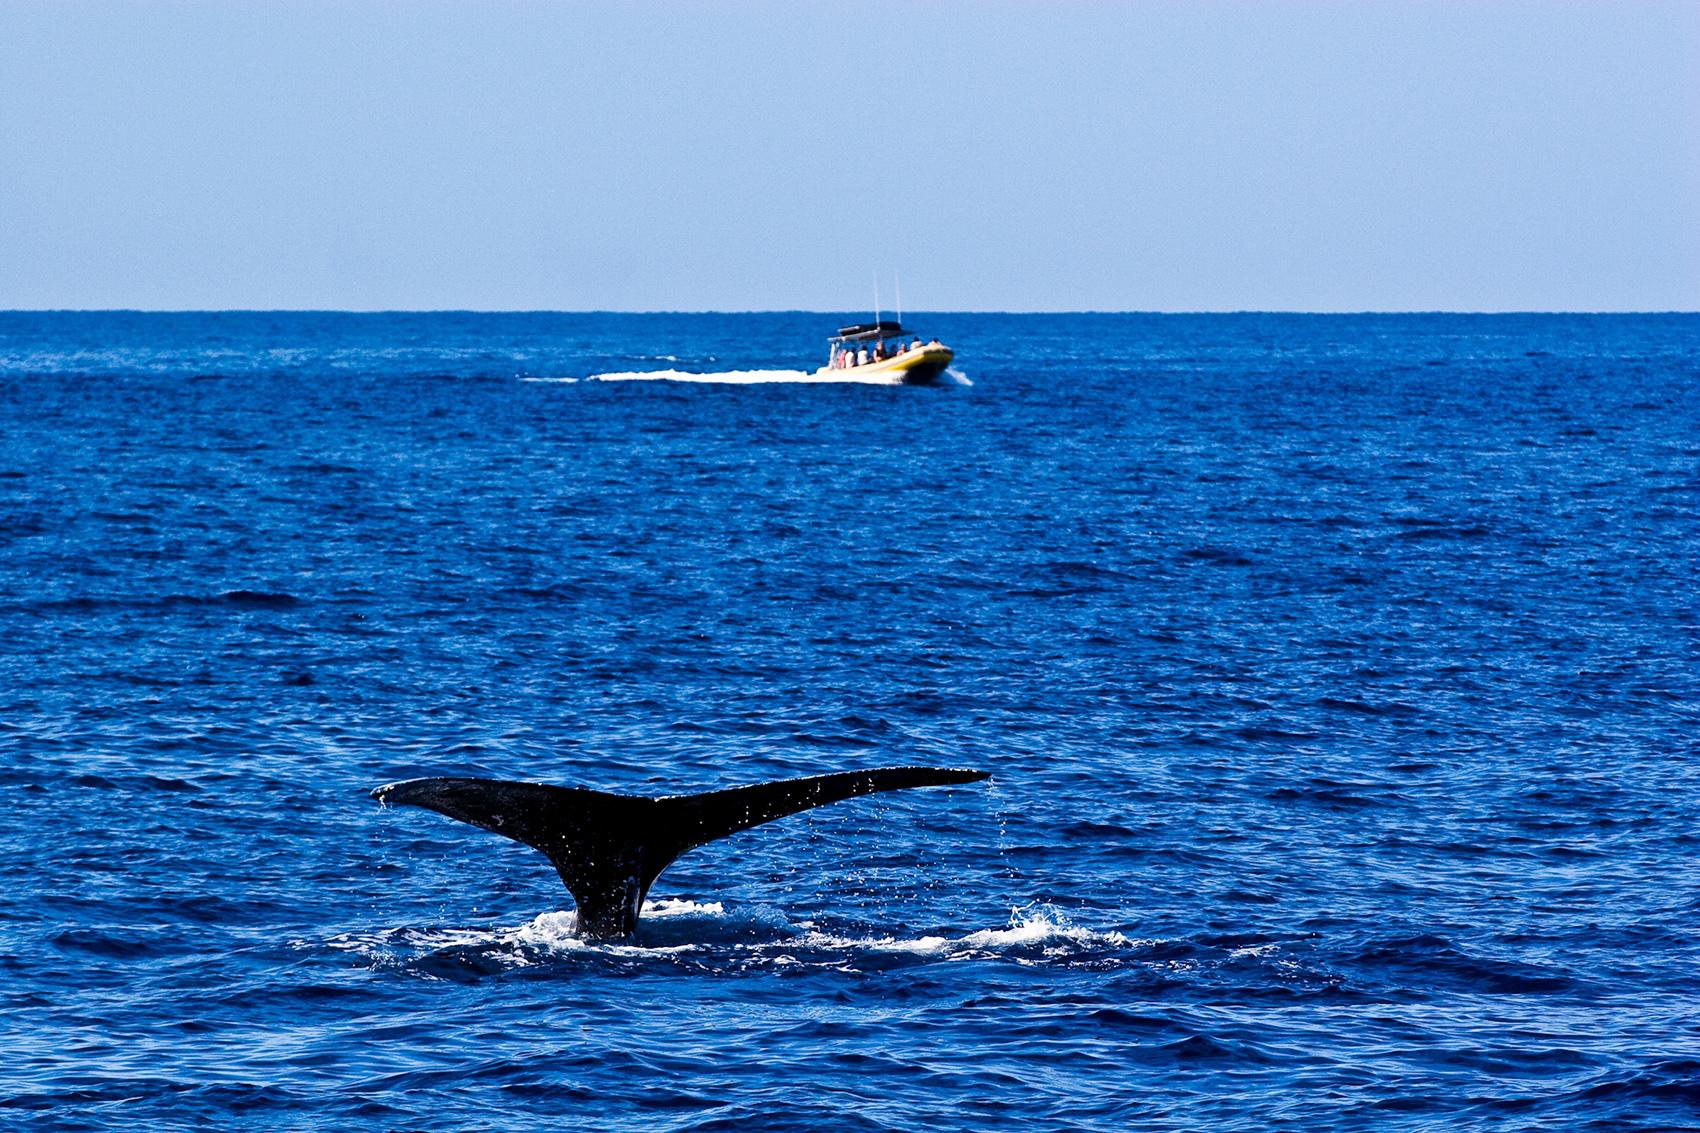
<point x="843" y="358"/>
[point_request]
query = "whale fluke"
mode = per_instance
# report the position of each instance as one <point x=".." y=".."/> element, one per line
<point x="609" y="848"/>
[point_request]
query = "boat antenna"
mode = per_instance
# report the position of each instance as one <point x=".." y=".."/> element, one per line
<point x="897" y="286"/>
<point x="876" y="295"/>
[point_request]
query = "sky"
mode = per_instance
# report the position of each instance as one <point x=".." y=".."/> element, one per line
<point x="1271" y="155"/>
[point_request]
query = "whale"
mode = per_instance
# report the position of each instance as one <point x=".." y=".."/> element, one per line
<point x="610" y="848"/>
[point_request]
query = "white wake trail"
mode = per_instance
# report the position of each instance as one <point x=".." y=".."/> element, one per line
<point x="750" y="377"/>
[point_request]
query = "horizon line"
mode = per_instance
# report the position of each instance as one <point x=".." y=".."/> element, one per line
<point x="1319" y="313"/>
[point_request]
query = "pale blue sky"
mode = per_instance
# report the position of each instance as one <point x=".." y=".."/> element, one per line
<point x="1174" y="156"/>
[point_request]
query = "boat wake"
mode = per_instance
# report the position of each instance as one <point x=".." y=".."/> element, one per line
<point x="748" y="377"/>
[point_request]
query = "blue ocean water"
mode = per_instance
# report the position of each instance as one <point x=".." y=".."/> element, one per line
<point x="1339" y="678"/>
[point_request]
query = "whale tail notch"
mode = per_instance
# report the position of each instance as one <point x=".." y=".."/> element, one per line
<point x="610" y="848"/>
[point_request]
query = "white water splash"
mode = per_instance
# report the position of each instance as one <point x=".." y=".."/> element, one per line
<point x="544" y="936"/>
<point x="958" y="376"/>
<point x="759" y="936"/>
<point x="1029" y="927"/>
<point x="680" y="907"/>
<point x="559" y="930"/>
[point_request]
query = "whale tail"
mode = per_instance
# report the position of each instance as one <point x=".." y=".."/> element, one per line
<point x="609" y="848"/>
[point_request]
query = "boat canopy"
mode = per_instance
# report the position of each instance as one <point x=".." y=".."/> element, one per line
<point x="868" y="332"/>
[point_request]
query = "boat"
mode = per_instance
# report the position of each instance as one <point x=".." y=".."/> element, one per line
<point x="884" y="351"/>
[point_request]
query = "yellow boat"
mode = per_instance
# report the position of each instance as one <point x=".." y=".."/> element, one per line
<point x="884" y="351"/>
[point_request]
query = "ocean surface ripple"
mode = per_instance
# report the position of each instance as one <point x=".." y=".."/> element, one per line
<point x="1339" y="677"/>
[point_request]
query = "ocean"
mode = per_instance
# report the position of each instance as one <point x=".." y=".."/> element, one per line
<point x="1338" y="677"/>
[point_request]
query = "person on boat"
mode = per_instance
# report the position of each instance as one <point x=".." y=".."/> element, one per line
<point x="862" y="356"/>
<point x="916" y="345"/>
